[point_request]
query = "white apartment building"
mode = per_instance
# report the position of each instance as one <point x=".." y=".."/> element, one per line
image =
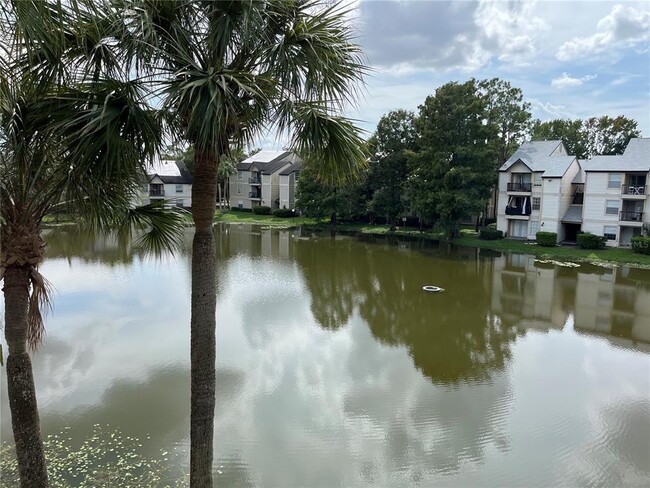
<point x="170" y="181"/>
<point x="541" y="188"/>
<point x="616" y="193"/>
<point x="267" y="178"/>
<point x="536" y="188"/>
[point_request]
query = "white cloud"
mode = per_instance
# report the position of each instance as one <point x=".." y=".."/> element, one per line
<point x="623" y="27"/>
<point x="566" y="81"/>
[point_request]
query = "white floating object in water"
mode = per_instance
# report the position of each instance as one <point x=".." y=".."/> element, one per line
<point x="432" y="288"/>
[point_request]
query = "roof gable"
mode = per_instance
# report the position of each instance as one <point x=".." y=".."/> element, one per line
<point x="547" y="157"/>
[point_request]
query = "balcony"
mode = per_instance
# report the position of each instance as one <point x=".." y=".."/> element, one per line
<point x="255" y="180"/>
<point x="254" y="196"/>
<point x="156" y="192"/>
<point x="521" y="187"/>
<point x="634" y="191"/>
<point x="631" y="217"/>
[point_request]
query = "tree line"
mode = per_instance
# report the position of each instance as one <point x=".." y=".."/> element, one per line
<point x="441" y="163"/>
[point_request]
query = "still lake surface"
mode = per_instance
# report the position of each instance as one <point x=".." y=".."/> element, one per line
<point x="336" y="369"/>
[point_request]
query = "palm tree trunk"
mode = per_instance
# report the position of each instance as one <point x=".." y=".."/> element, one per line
<point x="20" y="381"/>
<point x="203" y="321"/>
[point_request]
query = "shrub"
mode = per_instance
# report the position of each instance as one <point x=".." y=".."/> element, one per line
<point x="546" y="239"/>
<point x="587" y="240"/>
<point x="641" y="245"/>
<point x="237" y="209"/>
<point x="284" y="212"/>
<point x="489" y="221"/>
<point x="490" y="234"/>
<point x="262" y="210"/>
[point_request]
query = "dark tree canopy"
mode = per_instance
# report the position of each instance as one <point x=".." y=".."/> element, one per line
<point x="591" y="137"/>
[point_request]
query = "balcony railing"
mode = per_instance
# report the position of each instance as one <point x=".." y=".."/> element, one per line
<point x="631" y="216"/>
<point x="633" y="190"/>
<point x="520" y="187"/>
<point x="254" y="180"/>
<point x="156" y="192"/>
<point x="254" y="195"/>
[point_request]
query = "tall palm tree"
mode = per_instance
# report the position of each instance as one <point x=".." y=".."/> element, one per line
<point x="227" y="70"/>
<point x="74" y="132"/>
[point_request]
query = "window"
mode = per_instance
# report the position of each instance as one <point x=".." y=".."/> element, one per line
<point x="536" y="203"/>
<point x="179" y="202"/>
<point x="610" y="232"/>
<point x="612" y="207"/>
<point x="179" y="188"/>
<point x="240" y="175"/>
<point x="296" y="176"/>
<point x="239" y="189"/>
<point x="534" y="226"/>
<point x="614" y="181"/>
<point x="537" y="179"/>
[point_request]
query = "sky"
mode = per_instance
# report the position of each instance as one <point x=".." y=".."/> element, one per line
<point x="571" y="59"/>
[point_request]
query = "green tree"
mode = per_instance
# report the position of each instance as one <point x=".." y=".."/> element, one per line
<point x="74" y="132"/>
<point x="394" y="138"/>
<point x="455" y="165"/>
<point x="609" y="135"/>
<point x="228" y="71"/>
<point x="509" y="112"/>
<point x="319" y="198"/>
<point x="570" y="132"/>
<point x="591" y="137"/>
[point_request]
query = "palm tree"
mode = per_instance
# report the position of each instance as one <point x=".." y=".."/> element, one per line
<point x="74" y="132"/>
<point x="228" y="70"/>
<point x="227" y="168"/>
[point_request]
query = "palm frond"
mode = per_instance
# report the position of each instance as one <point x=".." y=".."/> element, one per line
<point x="159" y="228"/>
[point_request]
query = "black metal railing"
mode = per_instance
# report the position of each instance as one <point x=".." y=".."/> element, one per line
<point x="631" y="216"/>
<point x="633" y="190"/>
<point x="520" y="210"/>
<point x="254" y="195"/>
<point x="254" y="180"/>
<point x="520" y="186"/>
<point x="156" y="192"/>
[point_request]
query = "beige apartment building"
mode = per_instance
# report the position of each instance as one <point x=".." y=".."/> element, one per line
<point x="267" y="178"/>
<point x="542" y="188"/>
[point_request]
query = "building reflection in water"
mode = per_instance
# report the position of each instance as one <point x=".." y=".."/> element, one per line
<point x="610" y="301"/>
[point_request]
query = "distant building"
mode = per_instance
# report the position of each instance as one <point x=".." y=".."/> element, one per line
<point x="542" y="188"/>
<point x="267" y="178"/>
<point x="170" y="181"/>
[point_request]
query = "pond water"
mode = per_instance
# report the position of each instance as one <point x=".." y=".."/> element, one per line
<point x="336" y="369"/>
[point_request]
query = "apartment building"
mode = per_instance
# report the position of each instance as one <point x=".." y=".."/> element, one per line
<point x="542" y="188"/>
<point x="537" y="185"/>
<point x="170" y="181"/>
<point x="616" y="193"/>
<point x="259" y="177"/>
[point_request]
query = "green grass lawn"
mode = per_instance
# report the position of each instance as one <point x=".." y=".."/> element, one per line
<point x="235" y="217"/>
<point x="564" y="253"/>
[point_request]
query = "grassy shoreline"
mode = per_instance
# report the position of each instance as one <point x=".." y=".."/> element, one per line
<point x="560" y="253"/>
<point x="468" y="238"/>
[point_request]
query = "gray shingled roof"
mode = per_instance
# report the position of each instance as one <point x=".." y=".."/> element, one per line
<point x="635" y="158"/>
<point x="573" y="214"/>
<point x="292" y="169"/>
<point x="269" y="161"/>
<point x="537" y="156"/>
<point x="183" y="175"/>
